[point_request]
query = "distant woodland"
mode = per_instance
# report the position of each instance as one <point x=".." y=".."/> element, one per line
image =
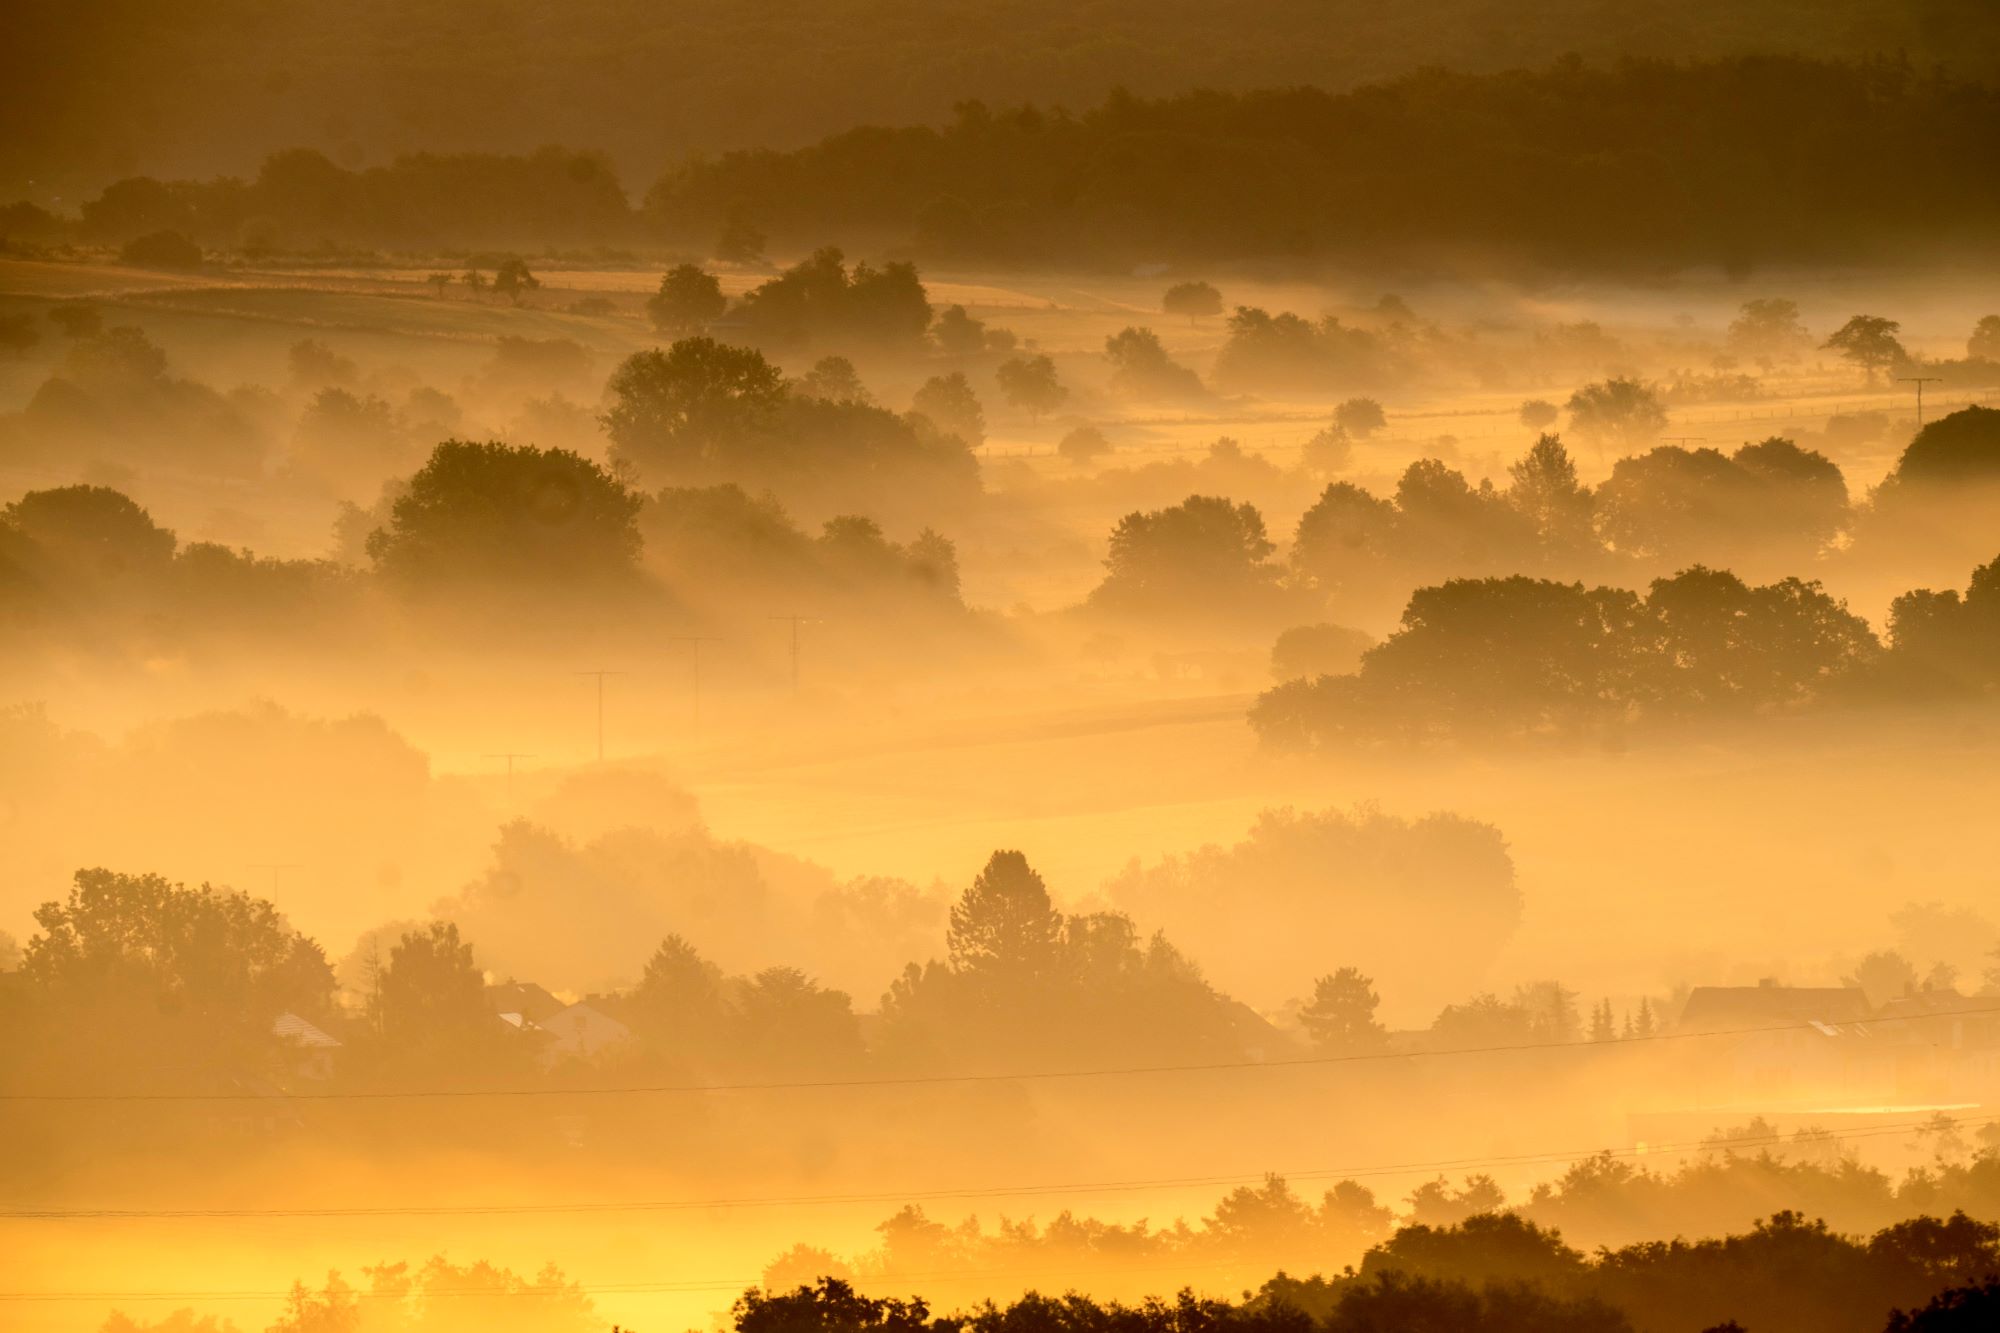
<point x="109" y="88"/>
<point x="1636" y="165"/>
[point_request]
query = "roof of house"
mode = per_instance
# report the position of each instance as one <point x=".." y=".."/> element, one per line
<point x="581" y="1029"/>
<point x="1938" y="1000"/>
<point x="525" y="998"/>
<point x="1761" y="1006"/>
<point x="292" y="1028"/>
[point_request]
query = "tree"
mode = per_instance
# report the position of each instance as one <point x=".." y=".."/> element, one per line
<point x="680" y="1007"/>
<point x="1602" y="1025"/>
<point x="1869" y="341"/>
<point x="741" y="242"/>
<point x="510" y="514"/>
<point x="475" y="282"/>
<point x="1965" y="1309"/>
<point x="1544" y="487"/>
<point x="833" y="379"/>
<point x="1360" y="417"/>
<point x="1083" y="445"/>
<point x="1318" y="650"/>
<point x="1193" y="299"/>
<point x="440" y="281"/>
<point x="820" y="300"/>
<point x="90" y="532"/>
<point x="675" y="410"/>
<point x="216" y="955"/>
<point x="1622" y="412"/>
<point x="513" y="280"/>
<point x="832" y="1306"/>
<point x="431" y="1000"/>
<point x="1984" y="344"/>
<point x="1538" y="414"/>
<point x="1341" y="1017"/>
<point x="1141" y="368"/>
<point x="957" y="334"/>
<point x="1770" y="501"/>
<point x="1767" y="330"/>
<point x="1005" y="924"/>
<point x="689" y="299"/>
<point x="1958" y="451"/>
<point x="786" y="1021"/>
<point x="1330" y="450"/>
<point x="1202" y="555"/>
<point x="1883" y="975"/>
<point x="949" y="401"/>
<point x="1029" y="383"/>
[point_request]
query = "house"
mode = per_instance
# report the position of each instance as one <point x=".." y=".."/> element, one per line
<point x="1772" y="1045"/>
<point x="528" y="1002"/>
<point x="312" y="1049"/>
<point x="579" y="1032"/>
<point x="1767" y="1004"/>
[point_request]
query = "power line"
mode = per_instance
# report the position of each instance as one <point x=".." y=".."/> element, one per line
<point x="510" y="756"/>
<point x="694" y="642"/>
<point x="1920" y="381"/>
<point x="1013" y="1076"/>
<point x="797" y="621"/>
<point x="601" y="673"/>
<point x="933" y="1194"/>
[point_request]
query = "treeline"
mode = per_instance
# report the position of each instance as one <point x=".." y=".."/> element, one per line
<point x="1740" y="161"/>
<point x="1605" y="1200"/>
<point x="1499" y="1274"/>
<point x="301" y="200"/>
<point x="196" y="976"/>
<point x="373" y="78"/>
<point x="1519" y="658"/>
<point x="1487" y="1274"/>
<point x="1645" y="163"/>
<point x="1767" y="508"/>
<point x="479" y="526"/>
<point x="1735" y="162"/>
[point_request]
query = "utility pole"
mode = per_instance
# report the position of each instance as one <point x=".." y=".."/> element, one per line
<point x="694" y="642"/>
<point x="275" y="869"/>
<point x="796" y="622"/>
<point x="1920" y="381"/>
<point x="600" y="674"/>
<point x="510" y="756"/>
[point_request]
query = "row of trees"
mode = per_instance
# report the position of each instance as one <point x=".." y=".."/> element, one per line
<point x="478" y="522"/>
<point x="1517" y="658"/>
<point x="1491" y="1273"/>
<point x="1429" y="163"/>
<point x="1278" y="173"/>
<point x="185" y="983"/>
<point x="1768" y="509"/>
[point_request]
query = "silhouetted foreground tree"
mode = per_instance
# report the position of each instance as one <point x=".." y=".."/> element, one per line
<point x="1490" y="1273"/>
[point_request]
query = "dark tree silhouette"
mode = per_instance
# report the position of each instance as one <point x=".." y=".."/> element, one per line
<point x="672" y="411"/>
<point x="514" y="514"/>
<point x="1340" y="1017"/>
<point x="1193" y="299"/>
<point x="689" y="299"/>
<point x="1029" y="383"/>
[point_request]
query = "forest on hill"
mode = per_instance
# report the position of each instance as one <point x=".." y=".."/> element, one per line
<point x="1640" y="166"/>
<point x="194" y="87"/>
